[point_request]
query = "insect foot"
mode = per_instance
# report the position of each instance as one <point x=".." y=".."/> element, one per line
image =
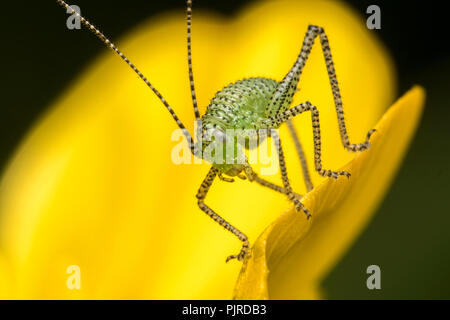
<point x="362" y="146"/>
<point x="294" y="197"/>
<point x="242" y="254"/>
<point x="226" y="179"/>
<point x="333" y="174"/>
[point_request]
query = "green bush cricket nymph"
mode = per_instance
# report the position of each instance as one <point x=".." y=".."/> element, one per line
<point x="257" y="104"/>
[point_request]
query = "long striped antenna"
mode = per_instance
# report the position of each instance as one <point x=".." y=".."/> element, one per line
<point x="106" y="41"/>
<point x="191" y="75"/>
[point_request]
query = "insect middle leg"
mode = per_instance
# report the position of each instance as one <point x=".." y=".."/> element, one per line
<point x="287" y="186"/>
<point x="201" y="195"/>
<point x="286" y="189"/>
<point x="289" y="114"/>
<point x="253" y="176"/>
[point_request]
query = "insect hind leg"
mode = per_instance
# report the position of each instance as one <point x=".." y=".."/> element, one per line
<point x="284" y="93"/>
<point x="337" y="96"/>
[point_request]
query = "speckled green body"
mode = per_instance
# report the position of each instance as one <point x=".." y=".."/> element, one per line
<point x="241" y="105"/>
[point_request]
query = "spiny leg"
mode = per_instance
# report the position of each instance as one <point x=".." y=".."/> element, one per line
<point x="263" y="182"/>
<point x="289" y="114"/>
<point x="201" y="195"/>
<point x="301" y="156"/>
<point x="282" y="97"/>
<point x="337" y="96"/>
<point x="287" y="186"/>
<point x="270" y="185"/>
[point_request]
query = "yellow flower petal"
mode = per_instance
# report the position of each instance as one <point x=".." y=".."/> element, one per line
<point x="93" y="184"/>
<point x="292" y="255"/>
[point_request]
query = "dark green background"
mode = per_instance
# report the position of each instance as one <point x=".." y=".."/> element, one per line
<point x="409" y="238"/>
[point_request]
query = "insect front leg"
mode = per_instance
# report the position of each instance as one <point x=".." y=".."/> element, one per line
<point x="201" y="195"/>
<point x="307" y="106"/>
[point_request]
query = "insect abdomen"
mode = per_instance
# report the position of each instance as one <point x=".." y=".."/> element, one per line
<point x="240" y="105"/>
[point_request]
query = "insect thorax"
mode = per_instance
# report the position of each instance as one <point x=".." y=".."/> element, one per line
<point x="236" y="115"/>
